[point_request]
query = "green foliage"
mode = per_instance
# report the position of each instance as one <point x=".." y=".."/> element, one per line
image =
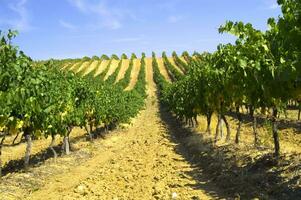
<point x="102" y="75"/>
<point x="93" y="72"/>
<point x="187" y="57"/>
<point x="124" y="56"/>
<point x="112" y="78"/>
<point x="261" y="70"/>
<point x="76" y="66"/>
<point x="286" y="32"/>
<point x="133" y="56"/>
<point x="95" y="58"/>
<point x="86" y="58"/>
<point x="184" y="67"/>
<point x="127" y="76"/>
<point x="157" y="76"/>
<point x="82" y="71"/>
<point x="171" y="69"/>
<point x="140" y="86"/>
<point x="114" y="56"/>
<point x="42" y="100"/>
<point x="104" y="57"/>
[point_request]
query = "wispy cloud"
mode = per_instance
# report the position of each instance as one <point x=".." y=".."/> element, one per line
<point x="20" y="23"/>
<point x="106" y="16"/>
<point x="174" y="19"/>
<point x="67" y="25"/>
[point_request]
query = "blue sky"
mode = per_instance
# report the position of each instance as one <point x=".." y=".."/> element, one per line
<point x="76" y="28"/>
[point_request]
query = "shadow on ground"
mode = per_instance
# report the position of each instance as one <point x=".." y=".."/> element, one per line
<point x="282" y="123"/>
<point x="239" y="176"/>
<point x="46" y="154"/>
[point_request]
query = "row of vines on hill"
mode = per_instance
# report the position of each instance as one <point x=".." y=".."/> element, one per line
<point x="127" y="76"/>
<point x="180" y="63"/>
<point x="39" y="100"/>
<point x="172" y="70"/>
<point x="261" y="71"/>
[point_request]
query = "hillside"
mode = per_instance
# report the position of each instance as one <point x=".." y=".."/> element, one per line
<point x="154" y="156"/>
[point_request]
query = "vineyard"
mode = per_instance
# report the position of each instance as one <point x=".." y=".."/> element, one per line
<point x="221" y="125"/>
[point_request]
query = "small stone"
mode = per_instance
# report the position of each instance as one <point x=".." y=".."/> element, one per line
<point x="174" y="195"/>
<point x="156" y="178"/>
<point x="81" y="189"/>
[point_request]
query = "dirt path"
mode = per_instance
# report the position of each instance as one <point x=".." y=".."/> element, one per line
<point x="139" y="162"/>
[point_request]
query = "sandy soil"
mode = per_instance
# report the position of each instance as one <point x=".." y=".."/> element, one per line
<point x="66" y="66"/>
<point x="92" y="67"/>
<point x="74" y="66"/>
<point x="83" y="66"/>
<point x="16" y="153"/>
<point x="113" y="66"/>
<point x="140" y="162"/>
<point x="101" y="67"/>
<point x="163" y="69"/>
<point x="183" y="59"/>
<point x="290" y="137"/>
<point x="124" y="67"/>
<point x="147" y="160"/>
<point x="171" y="60"/>
<point x="134" y="74"/>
